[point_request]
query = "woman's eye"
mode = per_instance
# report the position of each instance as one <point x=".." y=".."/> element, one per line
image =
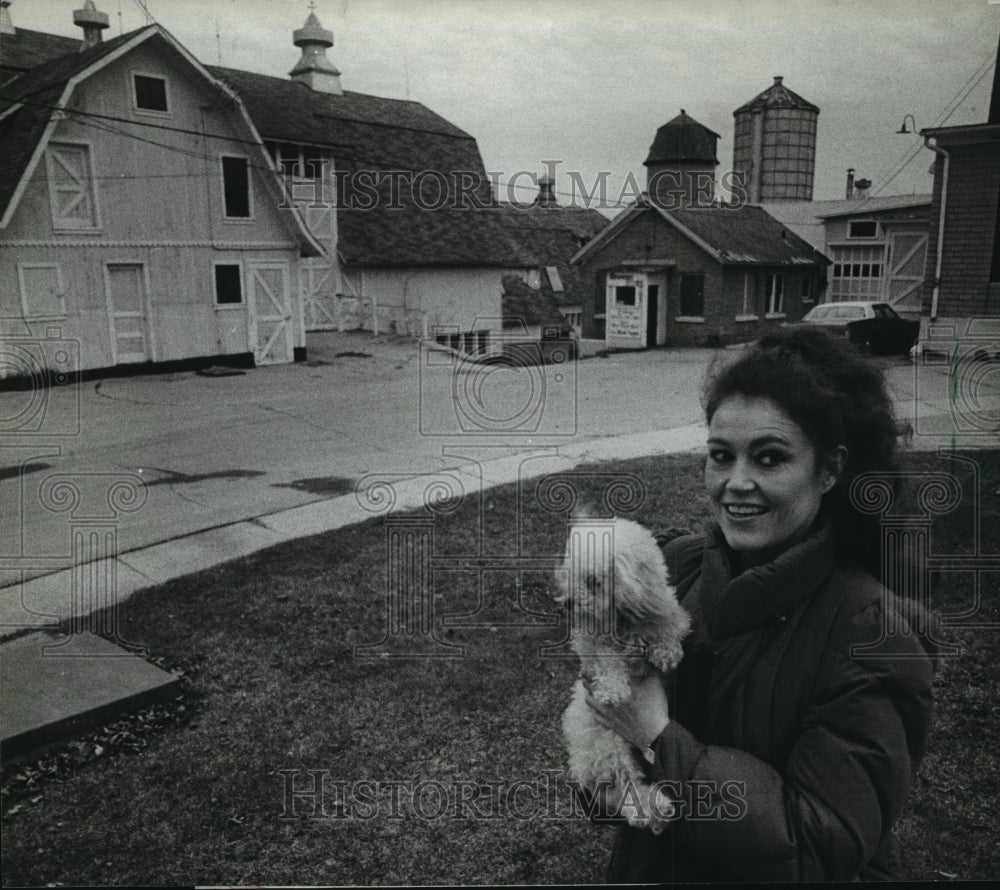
<point x="718" y="456"/>
<point x="770" y="458"/>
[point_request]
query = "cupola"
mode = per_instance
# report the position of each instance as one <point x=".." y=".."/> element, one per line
<point x="92" y="22"/>
<point x="314" y="69"/>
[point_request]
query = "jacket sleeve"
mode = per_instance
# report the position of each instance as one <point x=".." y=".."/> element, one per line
<point x="844" y="783"/>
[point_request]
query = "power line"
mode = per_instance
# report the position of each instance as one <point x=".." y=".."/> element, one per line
<point x="103" y="121"/>
<point x="942" y="118"/>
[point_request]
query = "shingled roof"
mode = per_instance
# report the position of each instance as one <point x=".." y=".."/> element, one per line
<point x="26" y="49"/>
<point x="374" y="136"/>
<point x="746" y="235"/>
<point x="550" y="236"/>
<point x="738" y="236"/>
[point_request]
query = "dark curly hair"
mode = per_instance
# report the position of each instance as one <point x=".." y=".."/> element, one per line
<point x="838" y="397"/>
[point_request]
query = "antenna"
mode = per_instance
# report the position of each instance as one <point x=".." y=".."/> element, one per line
<point x="218" y="43"/>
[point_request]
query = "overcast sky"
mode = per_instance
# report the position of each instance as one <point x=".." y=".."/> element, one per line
<point x="586" y="83"/>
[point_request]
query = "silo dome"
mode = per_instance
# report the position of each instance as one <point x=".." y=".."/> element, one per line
<point x="774" y="145"/>
<point x="682" y="160"/>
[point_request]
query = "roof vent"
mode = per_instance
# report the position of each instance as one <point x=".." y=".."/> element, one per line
<point x="6" y="25"/>
<point x="92" y="22"/>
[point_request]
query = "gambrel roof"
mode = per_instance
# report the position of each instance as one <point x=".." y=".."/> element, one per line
<point x="32" y="103"/>
<point x="373" y="137"/>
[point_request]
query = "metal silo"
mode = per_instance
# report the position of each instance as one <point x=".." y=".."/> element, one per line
<point x="774" y="145"/>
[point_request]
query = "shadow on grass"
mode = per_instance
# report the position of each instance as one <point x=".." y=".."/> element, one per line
<point x="299" y="762"/>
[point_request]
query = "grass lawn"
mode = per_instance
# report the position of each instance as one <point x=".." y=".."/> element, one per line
<point x="432" y="770"/>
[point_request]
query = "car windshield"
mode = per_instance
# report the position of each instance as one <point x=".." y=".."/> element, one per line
<point x="884" y="310"/>
<point x="817" y="313"/>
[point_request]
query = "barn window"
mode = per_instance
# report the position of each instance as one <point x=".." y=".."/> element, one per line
<point x="72" y="193"/>
<point x="236" y="187"/>
<point x="150" y="93"/>
<point x="774" y="287"/>
<point x="692" y="296"/>
<point x="228" y="284"/>
<point x="806" y="293"/>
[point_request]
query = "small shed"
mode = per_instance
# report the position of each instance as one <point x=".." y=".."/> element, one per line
<point x="695" y="277"/>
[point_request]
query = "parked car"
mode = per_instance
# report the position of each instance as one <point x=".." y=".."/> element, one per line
<point x="872" y="327"/>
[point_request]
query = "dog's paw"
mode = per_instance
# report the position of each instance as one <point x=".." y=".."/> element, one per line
<point x="634" y="816"/>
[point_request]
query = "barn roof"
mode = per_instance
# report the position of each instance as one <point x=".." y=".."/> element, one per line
<point x="30" y="100"/>
<point x="26" y="49"/>
<point x="382" y="221"/>
<point x="745" y="235"/>
<point x="550" y="236"/>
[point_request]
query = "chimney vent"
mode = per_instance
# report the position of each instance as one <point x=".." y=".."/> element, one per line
<point x="546" y="196"/>
<point x="850" y="183"/>
<point x="92" y="22"/>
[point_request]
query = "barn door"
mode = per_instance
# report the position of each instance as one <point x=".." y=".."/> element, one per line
<point x="270" y="313"/>
<point x="317" y="296"/>
<point x="126" y="292"/>
<point x="905" y="271"/>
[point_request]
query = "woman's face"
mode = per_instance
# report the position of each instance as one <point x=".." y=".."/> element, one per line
<point x="761" y="475"/>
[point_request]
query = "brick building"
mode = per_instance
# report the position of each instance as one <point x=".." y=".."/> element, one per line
<point x="961" y="297"/>
<point x="695" y="277"/>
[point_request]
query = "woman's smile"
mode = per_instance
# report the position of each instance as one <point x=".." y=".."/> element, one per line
<point x="763" y="476"/>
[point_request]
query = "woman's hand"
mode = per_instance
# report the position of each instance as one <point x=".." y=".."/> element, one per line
<point x="643" y="717"/>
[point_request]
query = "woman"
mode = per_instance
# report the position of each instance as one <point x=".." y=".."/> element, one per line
<point x="789" y="756"/>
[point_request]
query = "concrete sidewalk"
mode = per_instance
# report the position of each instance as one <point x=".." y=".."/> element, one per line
<point x="49" y="599"/>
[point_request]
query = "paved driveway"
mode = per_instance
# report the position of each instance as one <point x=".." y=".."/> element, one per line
<point x="213" y="450"/>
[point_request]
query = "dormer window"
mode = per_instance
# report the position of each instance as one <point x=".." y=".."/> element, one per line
<point x="150" y="93"/>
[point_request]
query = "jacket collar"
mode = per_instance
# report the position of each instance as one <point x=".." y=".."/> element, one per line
<point x="735" y="602"/>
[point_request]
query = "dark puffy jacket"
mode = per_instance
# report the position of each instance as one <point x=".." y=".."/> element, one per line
<point x="790" y="756"/>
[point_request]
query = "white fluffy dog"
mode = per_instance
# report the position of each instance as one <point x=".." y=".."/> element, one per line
<point x="623" y="609"/>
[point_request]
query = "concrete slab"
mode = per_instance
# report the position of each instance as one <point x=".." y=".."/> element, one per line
<point x="199" y="551"/>
<point x="311" y="519"/>
<point x="58" y="686"/>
